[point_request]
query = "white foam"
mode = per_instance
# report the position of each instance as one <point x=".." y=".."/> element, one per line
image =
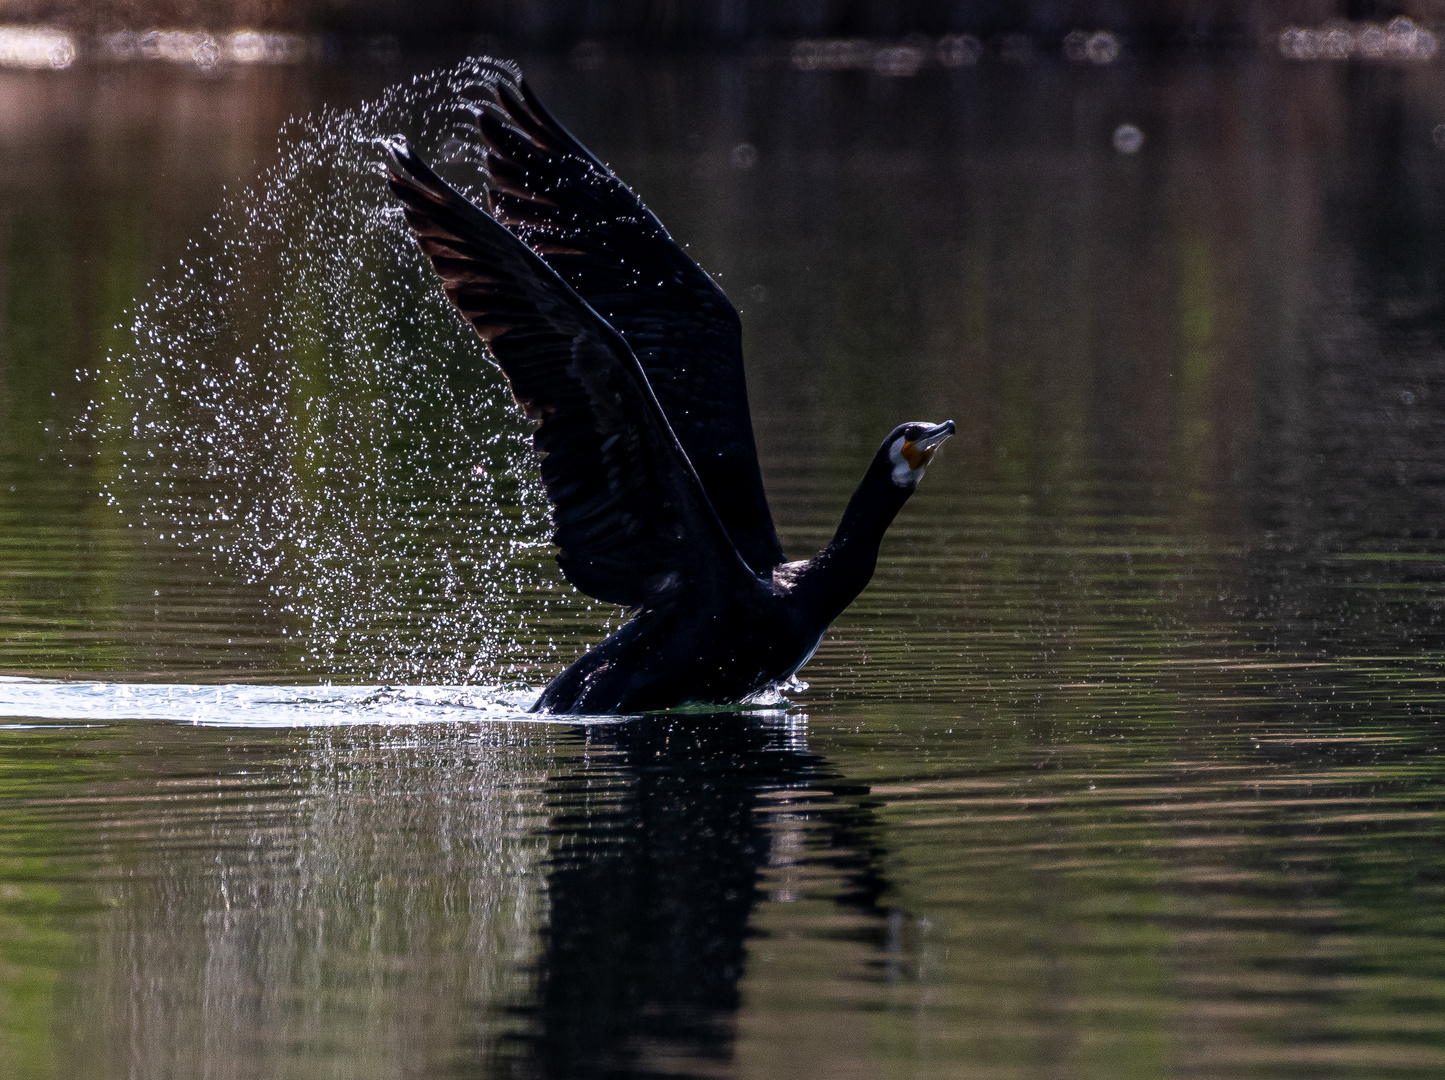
<point x="318" y="705"/>
<point x="247" y="705"/>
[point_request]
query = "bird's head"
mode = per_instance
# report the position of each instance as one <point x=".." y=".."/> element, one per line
<point x="911" y="447"/>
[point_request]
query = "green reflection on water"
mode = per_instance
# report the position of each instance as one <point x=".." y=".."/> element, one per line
<point x="1126" y="764"/>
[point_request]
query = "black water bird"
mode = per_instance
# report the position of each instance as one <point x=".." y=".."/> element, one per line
<point x="629" y="358"/>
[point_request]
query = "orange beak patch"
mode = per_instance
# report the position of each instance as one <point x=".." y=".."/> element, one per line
<point x="915" y="457"/>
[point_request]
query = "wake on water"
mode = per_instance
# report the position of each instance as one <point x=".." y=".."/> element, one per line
<point x="244" y="705"/>
<point x="250" y="706"/>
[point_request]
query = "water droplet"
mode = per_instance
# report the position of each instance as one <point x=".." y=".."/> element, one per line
<point x="305" y="328"/>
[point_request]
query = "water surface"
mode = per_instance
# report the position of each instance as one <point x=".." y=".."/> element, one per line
<point x="1127" y="763"/>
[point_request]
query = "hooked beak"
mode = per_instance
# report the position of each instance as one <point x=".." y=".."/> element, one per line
<point x="934" y="437"/>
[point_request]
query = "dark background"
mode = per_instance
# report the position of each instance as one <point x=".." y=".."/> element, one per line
<point x="725" y="24"/>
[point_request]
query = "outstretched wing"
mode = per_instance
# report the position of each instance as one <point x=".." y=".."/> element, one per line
<point x="633" y="524"/>
<point x="594" y="231"/>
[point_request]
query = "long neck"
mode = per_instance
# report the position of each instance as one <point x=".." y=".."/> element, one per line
<point x="840" y="571"/>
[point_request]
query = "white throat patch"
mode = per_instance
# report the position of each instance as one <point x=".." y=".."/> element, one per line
<point x="904" y="474"/>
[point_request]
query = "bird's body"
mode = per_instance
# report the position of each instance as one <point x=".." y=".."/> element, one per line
<point x="629" y="358"/>
<point x="672" y="656"/>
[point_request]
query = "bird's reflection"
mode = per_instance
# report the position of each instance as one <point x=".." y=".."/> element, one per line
<point x="660" y="844"/>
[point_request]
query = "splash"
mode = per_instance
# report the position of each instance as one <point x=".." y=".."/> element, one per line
<point x="298" y="400"/>
<point x="775" y="694"/>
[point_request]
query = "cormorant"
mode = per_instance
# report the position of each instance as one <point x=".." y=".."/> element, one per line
<point x="629" y="358"/>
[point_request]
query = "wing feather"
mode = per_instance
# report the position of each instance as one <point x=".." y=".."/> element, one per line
<point x="633" y="524"/>
<point x="599" y="237"/>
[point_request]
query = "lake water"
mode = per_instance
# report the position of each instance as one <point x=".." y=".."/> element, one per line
<point x="1126" y="765"/>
